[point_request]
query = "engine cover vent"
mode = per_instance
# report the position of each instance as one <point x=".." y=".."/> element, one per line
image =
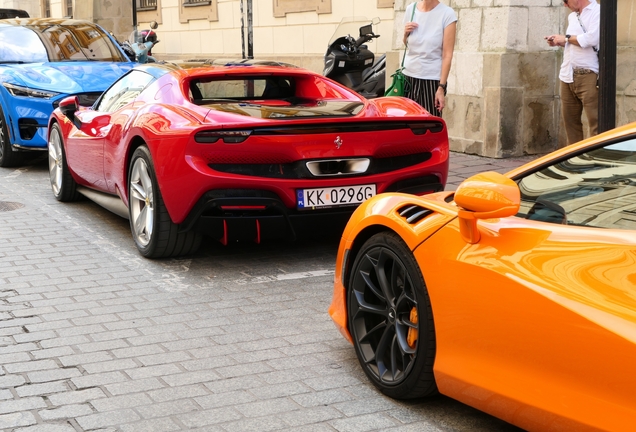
<point x="414" y="213"/>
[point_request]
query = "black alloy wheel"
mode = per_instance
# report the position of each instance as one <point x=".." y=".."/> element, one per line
<point x="390" y="318"/>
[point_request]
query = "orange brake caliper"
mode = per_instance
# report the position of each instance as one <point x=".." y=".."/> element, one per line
<point x="411" y="337"/>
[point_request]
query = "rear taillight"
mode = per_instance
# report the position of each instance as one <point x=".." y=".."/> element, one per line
<point x="422" y="128"/>
<point x="228" y="137"/>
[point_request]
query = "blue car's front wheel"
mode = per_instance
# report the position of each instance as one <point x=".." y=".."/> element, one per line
<point x="8" y="157"/>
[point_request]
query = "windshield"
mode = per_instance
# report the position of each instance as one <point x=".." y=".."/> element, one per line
<point x="349" y="26"/>
<point x="596" y="189"/>
<point x="56" y="40"/>
<point x="19" y="44"/>
<point x="136" y="36"/>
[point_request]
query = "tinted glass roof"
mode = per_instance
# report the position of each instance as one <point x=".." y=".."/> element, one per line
<point x="42" y="40"/>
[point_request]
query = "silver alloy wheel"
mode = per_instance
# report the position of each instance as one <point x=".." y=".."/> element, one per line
<point x="55" y="162"/>
<point x="141" y="202"/>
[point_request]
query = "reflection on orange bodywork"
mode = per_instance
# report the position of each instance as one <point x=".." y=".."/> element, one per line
<point x="536" y="323"/>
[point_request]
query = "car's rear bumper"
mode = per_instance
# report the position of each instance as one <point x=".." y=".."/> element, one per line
<point x="253" y="214"/>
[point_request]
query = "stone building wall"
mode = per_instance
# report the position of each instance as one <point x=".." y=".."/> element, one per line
<point x="626" y="63"/>
<point x="503" y="89"/>
<point x="31" y="6"/>
<point x="115" y="15"/>
<point x="294" y="31"/>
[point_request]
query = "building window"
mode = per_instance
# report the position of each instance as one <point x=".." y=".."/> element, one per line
<point x="198" y="9"/>
<point x="69" y="8"/>
<point x="196" y="2"/>
<point x="148" y="11"/>
<point x="283" y="7"/>
<point x="46" y="9"/>
<point x="146" y="5"/>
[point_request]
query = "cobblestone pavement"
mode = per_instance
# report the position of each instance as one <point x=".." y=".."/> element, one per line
<point x="237" y="338"/>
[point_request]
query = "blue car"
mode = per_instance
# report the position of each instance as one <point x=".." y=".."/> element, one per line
<point x="42" y="61"/>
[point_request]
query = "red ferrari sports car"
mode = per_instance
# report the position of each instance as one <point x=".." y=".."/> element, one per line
<point x="239" y="151"/>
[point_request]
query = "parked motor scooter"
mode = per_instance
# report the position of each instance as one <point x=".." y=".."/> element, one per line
<point x="350" y="62"/>
<point x="138" y="46"/>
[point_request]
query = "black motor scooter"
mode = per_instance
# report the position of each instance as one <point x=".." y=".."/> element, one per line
<point x="350" y="62"/>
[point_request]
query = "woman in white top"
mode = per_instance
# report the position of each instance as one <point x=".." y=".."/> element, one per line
<point x="429" y="33"/>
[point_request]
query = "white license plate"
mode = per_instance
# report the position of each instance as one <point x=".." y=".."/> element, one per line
<point x="334" y="197"/>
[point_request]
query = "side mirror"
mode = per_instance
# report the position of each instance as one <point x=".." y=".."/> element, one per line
<point x="485" y="196"/>
<point x="69" y="106"/>
<point x="92" y="122"/>
<point x="154" y="25"/>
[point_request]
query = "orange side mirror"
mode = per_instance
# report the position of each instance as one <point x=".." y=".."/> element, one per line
<point x="485" y="196"/>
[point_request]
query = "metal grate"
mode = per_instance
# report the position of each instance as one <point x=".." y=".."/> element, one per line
<point x="6" y="206"/>
<point x="146" y="4"/>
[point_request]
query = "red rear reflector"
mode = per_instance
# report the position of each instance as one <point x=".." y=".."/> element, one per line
<point x="223" y="239"/>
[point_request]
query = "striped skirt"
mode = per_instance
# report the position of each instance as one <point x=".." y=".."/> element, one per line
<point x="423" y="92"/>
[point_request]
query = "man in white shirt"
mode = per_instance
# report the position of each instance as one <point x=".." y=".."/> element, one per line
<point x="579" y="70"/>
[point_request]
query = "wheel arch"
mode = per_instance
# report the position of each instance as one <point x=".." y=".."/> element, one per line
<point x="154" y="148"/>
<point x="135" y="143"/>
<point x="7" y="112"/>
<point x="52" y="121"/>
<point x="65" y="125"/>
<point x="360" y="239"/>
<point x="417" y="377"/>
<point x="384" y="213"/>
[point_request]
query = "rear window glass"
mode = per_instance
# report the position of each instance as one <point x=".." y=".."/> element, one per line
<point x="250" y="88"/>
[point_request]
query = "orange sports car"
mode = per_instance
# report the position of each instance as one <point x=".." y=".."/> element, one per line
<point x="516" y="294"/>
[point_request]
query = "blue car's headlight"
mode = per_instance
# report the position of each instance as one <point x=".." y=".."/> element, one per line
<point x="28" y="92"/>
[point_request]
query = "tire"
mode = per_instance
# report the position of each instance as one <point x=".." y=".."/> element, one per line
<point x="62" y="183"/>
<point x="155" y="235"/>
<point x="8" y="157"/>
<point x="395" y="349"/>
